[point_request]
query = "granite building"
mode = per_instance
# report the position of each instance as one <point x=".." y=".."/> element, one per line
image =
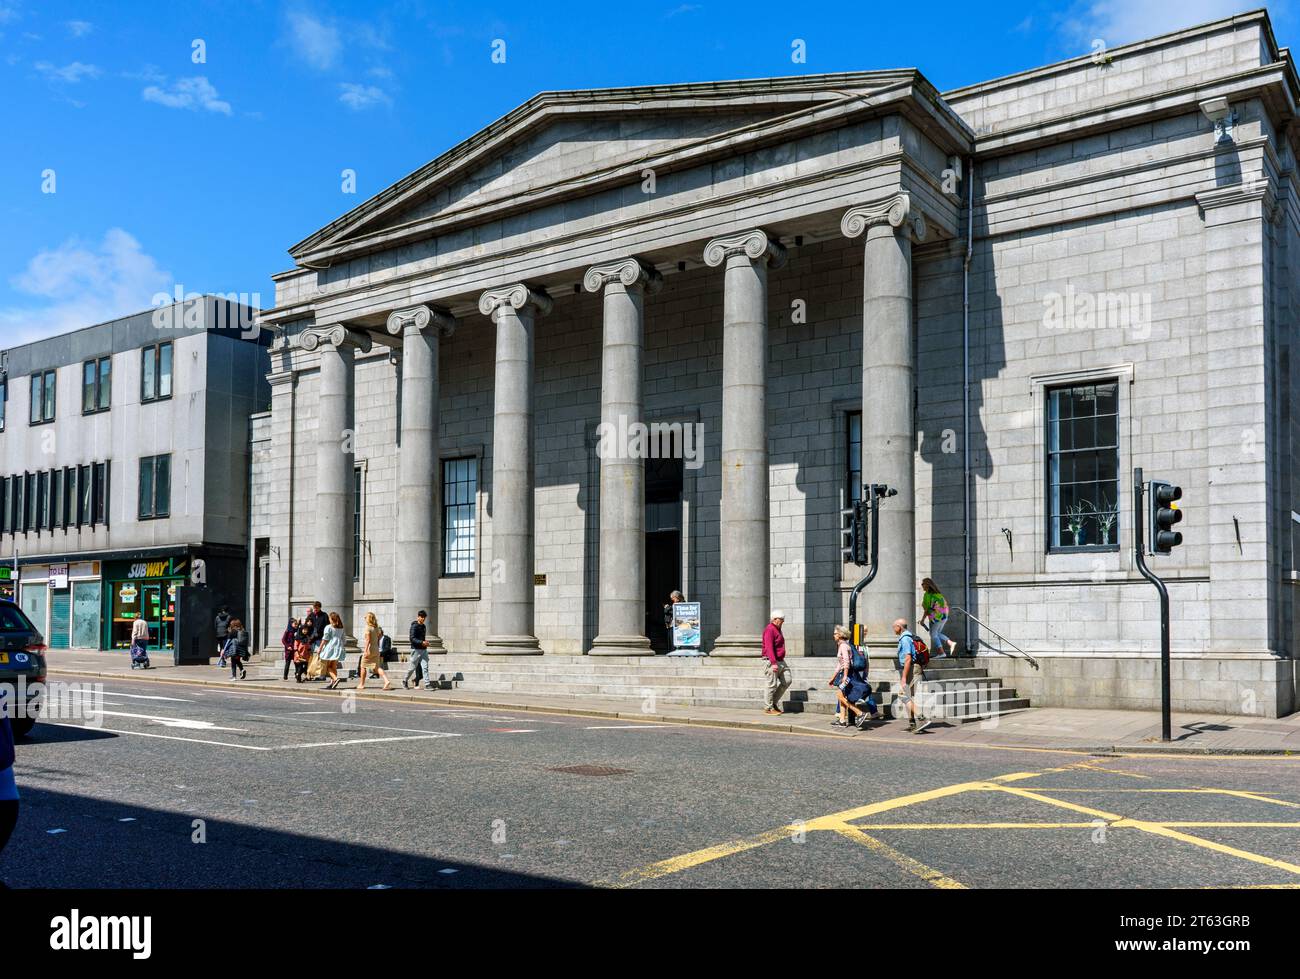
<point x="997" y="301"/>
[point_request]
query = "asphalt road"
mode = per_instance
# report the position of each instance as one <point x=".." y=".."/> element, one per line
<point x="184" y="787"/>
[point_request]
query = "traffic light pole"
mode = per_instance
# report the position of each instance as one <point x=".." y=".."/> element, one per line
<point x="874" y="492"/>
<point x="1139" y="557"/>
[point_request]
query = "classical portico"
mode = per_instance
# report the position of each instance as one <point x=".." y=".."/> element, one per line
<point x="438" y="257"/>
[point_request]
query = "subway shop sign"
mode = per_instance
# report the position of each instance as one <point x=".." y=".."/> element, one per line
<point x="146" y="570"/>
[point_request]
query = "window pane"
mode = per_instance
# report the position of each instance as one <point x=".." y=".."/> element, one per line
<point x="50" y="389"/>
<point x="1083" y="466"/>
<point x="148" y="368"/>
<point x="84" y="488"/>
<point x="105" y="383"/>
<point x="163" y="487"/>
<point x="146" y="488"/>
<point x="165" y="371"/>
<point x="88" y="386"/>
<point x="37" y="388"/>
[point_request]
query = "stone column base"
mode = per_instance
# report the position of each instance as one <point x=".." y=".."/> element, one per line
<point x="737" y="646"/>
<point x="620" y="646"/>
<point x="512" y="646"/>
<point x="435" y="646"/>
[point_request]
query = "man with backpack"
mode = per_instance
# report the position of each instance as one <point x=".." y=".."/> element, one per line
<point x="913" y="655"/>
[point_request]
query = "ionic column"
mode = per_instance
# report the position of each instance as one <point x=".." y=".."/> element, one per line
<point x="745" y="545"/>
<point x="514" y="310"/>
<point x="888" y="380"/>
<point x="621" y="621"/>
<point x="417" y="563"/>
<point x="335" y="460"/>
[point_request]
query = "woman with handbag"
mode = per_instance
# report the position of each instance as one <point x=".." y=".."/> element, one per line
<point x="289" y="639"/>
<point x="331" y="650"/>
<point x="370" y="658"/>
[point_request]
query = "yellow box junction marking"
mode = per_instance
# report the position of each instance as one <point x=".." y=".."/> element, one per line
<point x="841" y="823"/>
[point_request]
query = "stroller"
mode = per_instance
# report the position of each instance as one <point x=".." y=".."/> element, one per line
<point x="139" y="656"/>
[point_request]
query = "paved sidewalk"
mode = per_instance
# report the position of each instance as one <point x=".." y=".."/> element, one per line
<point x="1060" y="728"/>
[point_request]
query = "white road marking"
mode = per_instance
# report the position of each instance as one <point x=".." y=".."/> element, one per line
<point x="164" y="737"/>
<point x="138" y="696"/>
<point x="183" y="722"/>
<point x="299" y="713"/>
<point x="377" y="727"/>
<point x="54" y="831"/>
<point x="331" y="744"/>
<point x="515" y="730"/>
<point x="448" y="870"/>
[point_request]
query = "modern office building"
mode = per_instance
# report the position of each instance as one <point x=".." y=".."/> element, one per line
<point x="124" y="475"/>
<point x="997" y="301"/>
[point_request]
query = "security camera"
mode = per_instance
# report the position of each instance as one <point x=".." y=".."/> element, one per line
<point x="1219" y="112"/>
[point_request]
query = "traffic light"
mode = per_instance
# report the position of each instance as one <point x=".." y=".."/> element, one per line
<point x="1164" y="514"/>
<point x="853" y="534"/>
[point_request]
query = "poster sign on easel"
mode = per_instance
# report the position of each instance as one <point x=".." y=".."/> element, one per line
<point x="686" y="629"/>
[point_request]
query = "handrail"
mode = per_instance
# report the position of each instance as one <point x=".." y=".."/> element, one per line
<point x="1032" y="662"/>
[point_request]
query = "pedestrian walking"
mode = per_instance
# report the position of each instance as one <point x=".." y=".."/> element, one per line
<point x="852" y="690"/>
<point x="221" y="625"/>
<point x="331" y="649"/>
<point x="419" y="653"/>
<point x="934" y="613"/>
<point x="140" y="644"/>
<point x="237" y="649"/>
<point x="301" y="653"/>
<point x="776" y="673"/>
<point x="370" y="658"/>
<point x="8" y="785"/>
<point x="289" y="639"/>
<point x="912" y="657"/>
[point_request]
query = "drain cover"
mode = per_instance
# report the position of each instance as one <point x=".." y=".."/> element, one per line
<point x="591" y="770"/>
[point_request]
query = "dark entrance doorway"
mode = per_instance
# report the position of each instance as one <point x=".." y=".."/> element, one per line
<point x="663" y="543"/>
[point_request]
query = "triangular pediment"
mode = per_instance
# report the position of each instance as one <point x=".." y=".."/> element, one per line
<point x="568" y="138"/>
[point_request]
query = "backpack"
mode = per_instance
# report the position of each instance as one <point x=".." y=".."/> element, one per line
<point x="385" y="646"/>
<point x="920" y="653"/>
<point x="858" y="662"/>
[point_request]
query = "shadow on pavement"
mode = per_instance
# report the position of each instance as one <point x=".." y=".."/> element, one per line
<point x="112" y="845"/>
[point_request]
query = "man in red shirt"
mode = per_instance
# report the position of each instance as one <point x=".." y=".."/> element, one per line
<point x="776" y="673"/>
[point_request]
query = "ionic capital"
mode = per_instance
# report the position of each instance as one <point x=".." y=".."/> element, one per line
<point x="420" y="318"/>
<point x="333" y="335"/>
<point x="756" y="244"/>
<point x="631" y="272"/>
<point x="896" y="211"/>
<point x="518" y="297"/>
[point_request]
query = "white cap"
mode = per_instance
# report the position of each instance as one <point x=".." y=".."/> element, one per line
<point x="777" y="614"/>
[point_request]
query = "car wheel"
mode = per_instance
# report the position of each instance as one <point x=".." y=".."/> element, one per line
<point x="22" y="726"/>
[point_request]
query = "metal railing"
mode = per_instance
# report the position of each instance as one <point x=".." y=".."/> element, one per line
<point x="997" y="649"/>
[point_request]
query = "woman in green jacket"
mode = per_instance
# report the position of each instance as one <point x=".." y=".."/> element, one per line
<point x="934" y="614"/>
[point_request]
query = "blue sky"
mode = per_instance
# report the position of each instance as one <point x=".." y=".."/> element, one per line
<point x="197" y="167"/>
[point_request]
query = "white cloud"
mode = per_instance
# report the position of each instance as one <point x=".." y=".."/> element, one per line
<point x="69" y="73"/>
<point x="314" y="41"/>
<point x="1123" y="21"/>
<point x="79" y="284"/>
<point x="79" y="28"/>
<point x="187" y="93"/>
<point x="357" y="97"/>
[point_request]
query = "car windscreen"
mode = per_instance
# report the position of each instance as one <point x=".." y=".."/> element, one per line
<point x="13" y="620"/>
